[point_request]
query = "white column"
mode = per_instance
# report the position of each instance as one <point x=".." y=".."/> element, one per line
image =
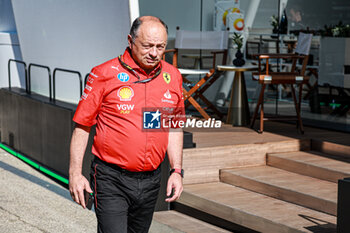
<point x="134" y="10"/>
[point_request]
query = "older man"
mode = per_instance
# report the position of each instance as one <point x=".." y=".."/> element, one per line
<point x="129" y="145"/>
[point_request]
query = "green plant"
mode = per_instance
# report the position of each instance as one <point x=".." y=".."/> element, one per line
<point x="274" y="21"/>
<point x="339" y="30"/>
<point x="237" y="40"/>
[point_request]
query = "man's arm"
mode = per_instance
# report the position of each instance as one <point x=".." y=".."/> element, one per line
<point x="174" y="150"/>
<point x="77" y="182"/>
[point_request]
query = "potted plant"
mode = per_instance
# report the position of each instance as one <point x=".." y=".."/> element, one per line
<point x="237" y="44"/>
<point x="274" y="24"/>
<point x="339" y="30"/>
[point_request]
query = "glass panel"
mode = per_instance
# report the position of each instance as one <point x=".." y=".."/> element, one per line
<point x="325" y="101"/>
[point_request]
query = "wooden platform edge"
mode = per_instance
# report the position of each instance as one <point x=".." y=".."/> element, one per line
<point x="278" y="192"/>
<point x="306" y="169"/>
<point x="202" y="165"/>
<point x="305" y="145"/>
<point x="330" y="148"/>
<point x="236" y="216"/>
<point x="159" y="227"/>
<point x="180" y="222"/>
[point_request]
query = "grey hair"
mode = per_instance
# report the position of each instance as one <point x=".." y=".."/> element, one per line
<point x="137" y="23"/>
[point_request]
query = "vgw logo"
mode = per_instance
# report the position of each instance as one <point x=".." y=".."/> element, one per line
<point x="125" y="108"/>
<point x="151" y="120"/>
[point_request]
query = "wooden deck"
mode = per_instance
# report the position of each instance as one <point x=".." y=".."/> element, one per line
<point x="278" y="181"/>
<point x="183" y="223"/>
<point x="273" y="132"/>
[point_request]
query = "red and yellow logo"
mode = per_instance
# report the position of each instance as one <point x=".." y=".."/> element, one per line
<point x="238" y="24"/>
<point x="125" y="93"/>
<point x="233" y="10"/>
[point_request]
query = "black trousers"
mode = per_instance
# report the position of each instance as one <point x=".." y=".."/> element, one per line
<point x="124" y="201"/>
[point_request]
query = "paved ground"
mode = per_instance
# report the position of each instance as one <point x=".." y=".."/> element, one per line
<point x="32" y="202"/>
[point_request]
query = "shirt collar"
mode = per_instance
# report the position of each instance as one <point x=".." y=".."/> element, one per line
<point x="127" y="58"/>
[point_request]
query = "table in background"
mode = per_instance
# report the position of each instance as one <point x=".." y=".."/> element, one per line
<point x="238" y="112"/>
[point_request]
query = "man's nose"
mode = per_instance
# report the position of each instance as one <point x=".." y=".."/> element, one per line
<point x="153" y="52"/>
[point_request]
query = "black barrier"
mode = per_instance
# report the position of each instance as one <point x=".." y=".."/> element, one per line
<point x="9" y="119"/>
<point x="41" y="130"/>
<point x="343" y="209"/>
<point x="29" y="77"/>
<point x="68" y="71"/>
<point x="9" y="72"/>
<point x="346" y="69"/>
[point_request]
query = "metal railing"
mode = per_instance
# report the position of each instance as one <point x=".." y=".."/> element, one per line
<point x="29" y="77"/>
<point x="67" y="71"/>
<point x="52" y="84"/>
<point x="25" y="70"/>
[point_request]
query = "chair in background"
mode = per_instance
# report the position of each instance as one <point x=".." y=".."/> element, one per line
<point x="292" y="77"/>
<point x="214" y="41"/>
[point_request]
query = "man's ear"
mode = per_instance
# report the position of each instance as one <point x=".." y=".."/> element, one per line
<point x="130" y="41"/>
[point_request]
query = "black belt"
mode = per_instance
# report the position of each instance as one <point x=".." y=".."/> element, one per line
<point x="138" y="175"/>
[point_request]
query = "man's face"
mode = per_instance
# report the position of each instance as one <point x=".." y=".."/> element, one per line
<point x="149" y="45"/>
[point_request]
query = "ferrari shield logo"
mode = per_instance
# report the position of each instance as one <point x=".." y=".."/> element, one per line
<point x="166" y="77"/>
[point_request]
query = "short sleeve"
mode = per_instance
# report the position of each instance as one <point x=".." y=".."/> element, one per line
<point x="91" y="99"/>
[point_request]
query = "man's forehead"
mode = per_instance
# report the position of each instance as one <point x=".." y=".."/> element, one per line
<point x="152" y="25"/>
<point x="155" y="31"/>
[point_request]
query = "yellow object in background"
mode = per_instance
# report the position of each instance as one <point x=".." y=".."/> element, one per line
<point x="235" y="22"/>
<point x="231" y="10"/>
<point x="222" y="12"/>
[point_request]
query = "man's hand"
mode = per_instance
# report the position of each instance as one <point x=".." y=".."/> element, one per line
<point x="174" y="182"/>
<point x="77" y="184"/>
<point x="174" y="150"/>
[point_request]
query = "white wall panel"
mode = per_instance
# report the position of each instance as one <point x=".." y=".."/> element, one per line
<point x="69" y="34"/>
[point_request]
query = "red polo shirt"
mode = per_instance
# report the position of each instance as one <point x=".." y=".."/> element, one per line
<point x="124" y="110"/>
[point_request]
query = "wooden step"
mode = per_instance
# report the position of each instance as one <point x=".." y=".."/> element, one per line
<point x="183" y="223"/>
<point x="310" y="164"/>
<point x="332" y="148"/>
<point x="303" y="190"/>
<point x="202" y="165"/>
<point x="253" y="210"/>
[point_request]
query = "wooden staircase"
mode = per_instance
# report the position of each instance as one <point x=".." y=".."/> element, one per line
<point x="311" y="163"/>
<point x="267" y="187"/>
<point x="287" y="186"/>
<point x="175" y="222"/>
